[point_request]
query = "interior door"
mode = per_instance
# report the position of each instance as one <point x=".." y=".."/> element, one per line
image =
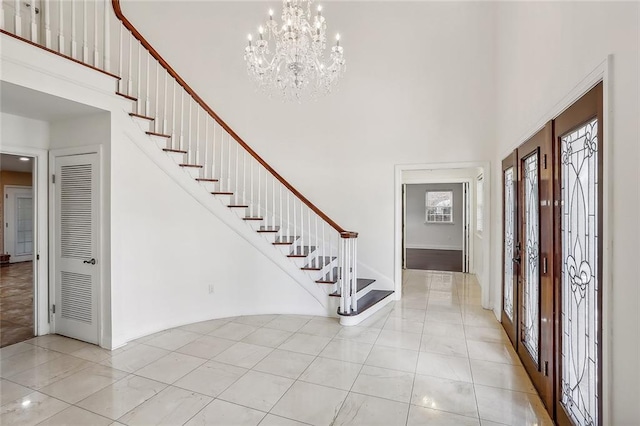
<point x="578" y="150"/>
<point x="404" y="220"/>
<point x="511" y="258"/>
<point x="76" y="246"/>
<point x="19" y="223"/>
<point x="465" y="227"/>
<point x="535" y="293"/>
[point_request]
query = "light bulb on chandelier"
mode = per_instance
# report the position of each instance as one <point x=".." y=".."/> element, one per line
<point x="296" y="68"/>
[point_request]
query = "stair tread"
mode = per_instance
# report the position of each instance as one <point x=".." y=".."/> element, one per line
<point x="222" y="193"/>
<point x="285" y="240"/>
<point x="198" y="166"/>
<point x="252" y="218"/>
<point x="303" y="251"/>
<point x="368" y="300"/>
<point x="238" y="206"/>
<point x="178" y="151"/>
<point x="362" y="284"/>
<point x="318" y="263"/>
<point x="206" y="179"/>
<point x="162" y="135"/>
<point x="268" y="229"/>
<point x="144" y="117"/>
<point x="124" y="95"/>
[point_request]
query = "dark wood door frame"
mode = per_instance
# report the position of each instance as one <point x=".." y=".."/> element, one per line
<point x="588" y="107"/>
<point x="540" y="370"/>
<point x="510" y="325"/>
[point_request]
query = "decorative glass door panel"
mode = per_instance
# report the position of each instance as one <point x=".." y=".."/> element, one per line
<point x="578" y="149"/>
<point x="530" y="326"/>
<point x="511" y="251"/>
<point x="535" y="270"/>
<point x="509" y="241"/>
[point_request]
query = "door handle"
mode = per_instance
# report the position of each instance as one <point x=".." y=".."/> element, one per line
<point x="516" y="260"/>
<point x="91" y="261"/>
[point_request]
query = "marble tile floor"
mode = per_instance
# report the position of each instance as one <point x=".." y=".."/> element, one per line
<point x="16" y="303"/>
<point x="433" y="358"/>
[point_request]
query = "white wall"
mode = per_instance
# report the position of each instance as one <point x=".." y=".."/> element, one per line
<point x="443" y="236"/>
<point x="23" y="132"/>
<point x="407" y="97"/>
<point x="167" y="249"/>
<point x="544" y="50"/>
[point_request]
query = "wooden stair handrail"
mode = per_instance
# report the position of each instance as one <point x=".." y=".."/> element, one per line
<point x="118" y="11"/>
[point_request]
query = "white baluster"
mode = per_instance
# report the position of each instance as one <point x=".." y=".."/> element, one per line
<point x="191" y="154"/>
<point x="182" y="120"/>
<point x="315" y="237"/>
<point x="85" y="33"/>
<point x="301" y="223"/>
<point x="228" y="162"/>
<point x="107" y="35"/>
<point x="17" y="19"/>
<point x="280" y="198"/>
<point x="237" y="190"/>
<point x="259" y="189"/>
<point x="324" y="244"/>
<point x="157" y="102"/>
<point x="2" y="25"/>
<point x="165" y="103"/>
<point x="139" y="79"/>
<point x="34" y="23"/>
<point x="354" y="275"/>
<point x="251" y="191"/>
<point x="147" y="99"/>
<point x="288" y="213"/>
<point x="244" y="176"/>
<point x="46" y="11"/>
<point x="173" y="116"/>
<point x="74" y="43"/>
<point x="130" y="76"/>
<point x="197" y="136"/>
<point x="273" y="199"/>
<point x="60" y="25"/>
<point x="309" y="227"/>
<point x="221" y="179"/>
<point x="213" y="153"/>
<point x="207" y="169"/>
<point x="120" y="48"/>
<point x="96" y="53"/>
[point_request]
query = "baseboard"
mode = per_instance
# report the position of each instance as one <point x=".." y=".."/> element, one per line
<point x="430" y="247"/>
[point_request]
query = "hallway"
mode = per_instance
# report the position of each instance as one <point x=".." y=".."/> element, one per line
<point x="436" y="358"/>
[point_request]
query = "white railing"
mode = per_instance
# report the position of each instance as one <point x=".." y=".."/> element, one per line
<point x="97" y="34"/>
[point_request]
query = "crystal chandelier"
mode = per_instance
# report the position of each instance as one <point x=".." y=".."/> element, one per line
<point x="296" y="68"/>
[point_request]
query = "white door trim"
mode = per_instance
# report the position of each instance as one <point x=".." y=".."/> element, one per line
<point x="6" y="235"/>
<point x="398" y="181"/>
<point x="104" y="301"/>
<point x="40" y="234"/>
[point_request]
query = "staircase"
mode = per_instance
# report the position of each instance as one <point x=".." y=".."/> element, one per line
<point x="200" y="143"/>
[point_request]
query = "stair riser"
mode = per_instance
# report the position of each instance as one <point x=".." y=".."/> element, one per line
<point x="357" y="319"/>
<point x="224" y="199"/>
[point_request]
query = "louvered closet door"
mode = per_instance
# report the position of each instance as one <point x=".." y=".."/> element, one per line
<point x="76" y="240"/>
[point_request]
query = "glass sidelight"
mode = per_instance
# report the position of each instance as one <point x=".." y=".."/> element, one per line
<point x="511" y="248"/>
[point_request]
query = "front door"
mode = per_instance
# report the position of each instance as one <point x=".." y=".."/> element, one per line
<point x="535" y="294"/>
<point x="76" y="283"/>
<point x="578" y="146"/>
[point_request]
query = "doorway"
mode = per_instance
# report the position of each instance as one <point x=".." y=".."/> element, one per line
<point x="553" y="259"/>
<point x="434" y="227"/>
<point x="17" y="283"/>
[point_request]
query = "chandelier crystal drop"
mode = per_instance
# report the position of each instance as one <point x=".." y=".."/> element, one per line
<point x="296" y="67"/>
